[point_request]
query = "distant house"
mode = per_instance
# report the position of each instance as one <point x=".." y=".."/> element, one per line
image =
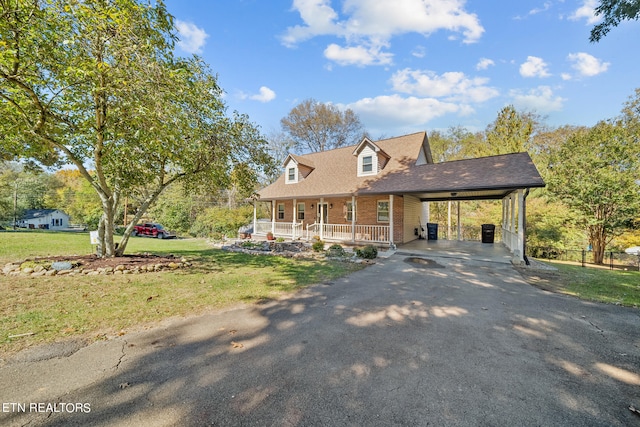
<point x="379" y="191"/>
<point x="48" y="219"/>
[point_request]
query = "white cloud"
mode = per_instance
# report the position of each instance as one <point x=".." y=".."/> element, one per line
<point x="368" y="26"/>
<point x="484" y="63"/>
<point x="419" y="52"/>
<point x="587" y="65"/>
<point x="537" y="10"/>
<point x="540" y="99"/>
<point x="453" y="86"/>
<point x="191" y="38"/>
<point x="534" y="67"/>
<point x="357" y="55"/>
<point x="396" y="110"/>
<point x="586" y="11"/>
<point x="264" y="95"/>
<point x="319" y="18"/>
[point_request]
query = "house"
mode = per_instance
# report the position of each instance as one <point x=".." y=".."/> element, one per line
<point x="50" y="219"/>
<point x="379" y="192"/>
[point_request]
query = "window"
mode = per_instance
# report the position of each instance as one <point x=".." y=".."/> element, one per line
<point x="280" y="210"/>
<point x="383" y="211"/>
<point x="367" y="164"/>
<point x="292" y="174"/>
<point x="301" y="211"/>
<point x="349" y="211"/>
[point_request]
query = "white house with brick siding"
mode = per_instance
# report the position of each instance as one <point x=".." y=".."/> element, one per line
<point x="378" y="191"/>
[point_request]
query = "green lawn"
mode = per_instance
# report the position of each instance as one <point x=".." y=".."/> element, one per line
<point x="594" y="284"/>
<point x="588" y="283"/>
<point x="55" y="308"/>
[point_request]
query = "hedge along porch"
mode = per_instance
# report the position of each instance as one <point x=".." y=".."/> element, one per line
<point x="380" y="191"/>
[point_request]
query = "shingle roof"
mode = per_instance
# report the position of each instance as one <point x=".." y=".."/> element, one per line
<point x="506" y="171"/>
<point x="37" y="213"/>
<point x="335" y="173"/>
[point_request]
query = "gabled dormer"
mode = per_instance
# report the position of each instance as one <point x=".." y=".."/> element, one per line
<point x="371" y="158"/>
<point x="296" y="168"/>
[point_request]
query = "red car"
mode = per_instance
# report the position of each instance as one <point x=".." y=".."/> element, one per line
<point x="150" y="229"/>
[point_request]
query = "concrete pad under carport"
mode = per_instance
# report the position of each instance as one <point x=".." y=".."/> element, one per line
<point x="469" y="250"/>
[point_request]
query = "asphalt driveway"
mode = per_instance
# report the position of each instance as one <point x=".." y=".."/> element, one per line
<point x="434" y="341"/>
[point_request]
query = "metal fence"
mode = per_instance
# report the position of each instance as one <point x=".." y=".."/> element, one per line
<point x="614" y="260"/>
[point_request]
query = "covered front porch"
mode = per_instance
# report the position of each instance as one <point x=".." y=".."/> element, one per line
<point x="328" y="232"/>
<point x="351" y="219"/>
<point x="409" y="213"/>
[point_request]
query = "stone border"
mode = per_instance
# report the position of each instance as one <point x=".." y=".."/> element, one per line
<point x="16" y="270"/>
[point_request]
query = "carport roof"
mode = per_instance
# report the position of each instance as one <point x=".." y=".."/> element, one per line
<point x="480" y="178"/>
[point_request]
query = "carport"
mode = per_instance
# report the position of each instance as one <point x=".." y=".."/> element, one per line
<point x="508" y="178"/>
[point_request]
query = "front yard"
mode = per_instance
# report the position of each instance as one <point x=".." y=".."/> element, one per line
<point x="45" y="309"/>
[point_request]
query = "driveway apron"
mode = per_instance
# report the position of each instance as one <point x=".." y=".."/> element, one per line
<point x="413" y="340"/>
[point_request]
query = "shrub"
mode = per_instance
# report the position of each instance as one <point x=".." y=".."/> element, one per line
<point x="318" y="246"/>
<point x="280" y="239"/>
<point x="336" y="250"/>
<point x="368" y="252"/>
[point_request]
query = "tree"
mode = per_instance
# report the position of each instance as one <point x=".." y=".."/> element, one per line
<point x="314" y="126"/>
<point x="596" y="173"/>
<point x="613" y="12"/>
<point x="510" y="132"/>
<point x="96" y="82"/>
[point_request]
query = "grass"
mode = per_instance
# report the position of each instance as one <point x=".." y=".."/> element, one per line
<point x="591" y="284"/>
<point x="55" y="308"/>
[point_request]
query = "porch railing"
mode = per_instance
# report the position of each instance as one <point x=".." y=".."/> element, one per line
<point x="364" y="233"/>
<point x="279" y="228"/>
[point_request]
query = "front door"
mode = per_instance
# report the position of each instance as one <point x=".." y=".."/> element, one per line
<point x="323" y="213"/>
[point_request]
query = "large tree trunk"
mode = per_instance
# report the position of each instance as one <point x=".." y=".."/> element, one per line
<point x="106" y="227"/>
<point x="597" y="238"/>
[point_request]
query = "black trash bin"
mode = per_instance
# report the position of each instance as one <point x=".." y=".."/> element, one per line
<point x="432" y="231"/>
<point x="488" y="233"/>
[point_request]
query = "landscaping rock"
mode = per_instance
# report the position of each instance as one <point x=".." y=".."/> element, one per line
<point x="61" y="265"/>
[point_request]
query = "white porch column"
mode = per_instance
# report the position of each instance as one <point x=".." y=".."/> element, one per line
<point x="273" y="216"/>
<point x="255" y="216"/>
<point x="459" y="225"/>
<point x="448" y="219"/>
<point x="504" y="220"/>
<point x="521" y="210"/>
<point x="512" y="225"/>
<point x="295" y="218"/>
<point x="425" y="213"/>
<point x="353" y="218"/>
<point x="321" y="212"/>
<point x="391" y="219"/>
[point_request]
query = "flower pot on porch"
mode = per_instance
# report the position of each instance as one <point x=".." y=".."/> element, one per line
<point x="270" y="236"/>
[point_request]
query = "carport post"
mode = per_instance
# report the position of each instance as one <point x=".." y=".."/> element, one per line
<point x="459" y="229"/>
<point x="521" y="210"/>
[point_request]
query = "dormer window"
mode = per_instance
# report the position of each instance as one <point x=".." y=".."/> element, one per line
<point x="371" y="158"/>
<point x="367" y="164"/>
<point x="291" y="174"/>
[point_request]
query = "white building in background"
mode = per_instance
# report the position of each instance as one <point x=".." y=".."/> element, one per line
<point x="48" y="219"/>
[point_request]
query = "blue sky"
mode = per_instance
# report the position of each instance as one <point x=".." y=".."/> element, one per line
<point x="410" y="65"/>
